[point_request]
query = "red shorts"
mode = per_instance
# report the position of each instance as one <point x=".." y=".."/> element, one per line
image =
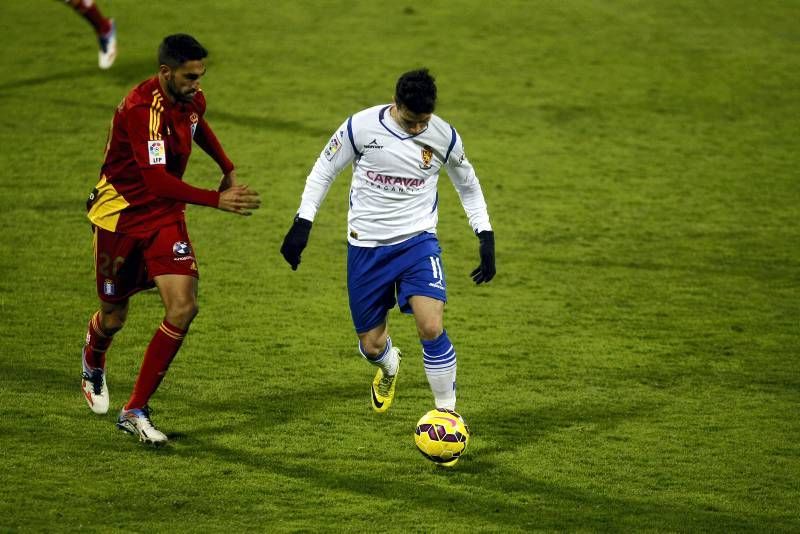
<point x="126" y="264"/>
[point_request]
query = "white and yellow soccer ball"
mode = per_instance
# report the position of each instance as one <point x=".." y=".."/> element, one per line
<point x="442" y="436"/>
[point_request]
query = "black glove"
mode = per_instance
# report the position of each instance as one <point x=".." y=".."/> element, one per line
<point x="485" y="271"/>
<point x="295" y="241"/>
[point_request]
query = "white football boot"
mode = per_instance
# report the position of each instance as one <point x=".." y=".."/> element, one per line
<point x="95" y="391"/>
<point x="137" y="422"/>
<point x="108" y="47"/>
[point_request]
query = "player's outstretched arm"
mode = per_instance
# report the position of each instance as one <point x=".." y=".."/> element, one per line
<point x="295" y="241"/>
<point x="239" y="199"/>
<point x="486" y="270"/>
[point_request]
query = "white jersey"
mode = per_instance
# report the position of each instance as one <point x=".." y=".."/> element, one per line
<point x="393" y="195"/>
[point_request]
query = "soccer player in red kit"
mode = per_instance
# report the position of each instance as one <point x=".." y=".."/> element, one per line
<point x="104" y="27"/>
<point x="137" y="213"/>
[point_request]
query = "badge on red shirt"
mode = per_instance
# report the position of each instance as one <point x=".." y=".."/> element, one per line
<point x="157" y="152"/>
<point x="193" y="118"/>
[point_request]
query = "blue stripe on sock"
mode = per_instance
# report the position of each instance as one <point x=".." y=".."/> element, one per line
<point x="439" y="364"/>
<point x="433" y="358"/>
<point x="438" y="355"/>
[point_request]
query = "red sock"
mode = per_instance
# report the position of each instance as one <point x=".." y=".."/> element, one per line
<point x="159" y="354"/>
<point x="91" y="13"/>
<point x="97" y="343"/>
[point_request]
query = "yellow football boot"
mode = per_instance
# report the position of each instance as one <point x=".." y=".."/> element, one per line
<point x="382" y="390"/>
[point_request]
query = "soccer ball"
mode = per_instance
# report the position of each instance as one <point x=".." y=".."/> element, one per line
<point x="442" y="436"/>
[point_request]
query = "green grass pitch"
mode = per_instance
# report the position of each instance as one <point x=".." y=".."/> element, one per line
<point x="633" y="367"/>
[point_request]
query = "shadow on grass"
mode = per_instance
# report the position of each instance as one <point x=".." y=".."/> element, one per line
<point x="753" y="268"/>
<point x="26" y="83"/>
<point x="267" y="123"/>
<point x="482" y="489"/>
<point x="215" y="115"/>
<point x="125" y="72"/>
<point x="130" y="72"/>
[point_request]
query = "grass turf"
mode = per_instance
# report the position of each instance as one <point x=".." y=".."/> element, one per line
<point x="632" y="367"/>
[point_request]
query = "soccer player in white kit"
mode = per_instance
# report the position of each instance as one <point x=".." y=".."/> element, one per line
<point x="396" y="151"/>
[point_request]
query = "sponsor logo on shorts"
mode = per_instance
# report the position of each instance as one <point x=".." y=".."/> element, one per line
<point x="108" y="288"/>
<point x="437" y="284"/>
<point x="181" y="248"/>
<point x="438" y="274"/>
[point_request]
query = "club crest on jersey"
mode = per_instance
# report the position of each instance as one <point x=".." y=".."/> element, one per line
<point x="427" y="155"/>
<point x="157" y="152"/>
<point x="194" y="119"/>
<point x="108" y="288"/>
<point x="333" y="147"/>
<point x="181" y="248"/>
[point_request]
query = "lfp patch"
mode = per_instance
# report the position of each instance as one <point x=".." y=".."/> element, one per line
<point x="157" y="152"/>
<point x="332" y="148"/>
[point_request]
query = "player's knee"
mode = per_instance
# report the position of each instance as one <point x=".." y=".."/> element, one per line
<point x="183" y="313"/>
<point x="373" y="345"/>
<point x="430" y="329"/>
<point x="190" y="311"/>
<point x="112" y="322"/>
<point x="112" y="326"/>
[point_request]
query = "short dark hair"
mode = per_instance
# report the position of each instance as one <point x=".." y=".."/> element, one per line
<point x="416" y="90"/>
<point x="177" y="49"/>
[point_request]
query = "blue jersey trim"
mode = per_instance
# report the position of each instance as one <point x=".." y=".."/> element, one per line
<point x="435" y="202"/>
<point x="452" y="144"/>
<point x="350" y="136"/>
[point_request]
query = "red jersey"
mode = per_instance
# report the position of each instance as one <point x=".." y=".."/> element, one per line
<point x="149" y="144"/>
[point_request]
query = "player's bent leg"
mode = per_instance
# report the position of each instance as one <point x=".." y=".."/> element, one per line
<point x="376" y="347"/>
<point x="372" y="343"/>
<point x="104" y="27"/>
<point x="99" y="334"/>
<point x="439" y="360"/>
<point x="428" y="316"/>
<point x="438" y="353"/>
<point x="179" y="294"/>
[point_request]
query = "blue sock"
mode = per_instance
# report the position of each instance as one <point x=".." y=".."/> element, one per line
<point x="439" y="359"/>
